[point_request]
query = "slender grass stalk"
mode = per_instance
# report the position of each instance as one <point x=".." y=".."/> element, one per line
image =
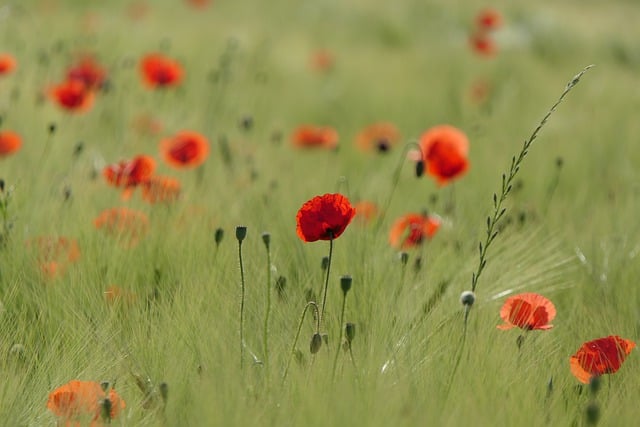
<point x="295" y="340"/>
<point x="266" y="238"/>
<point x="326" y="281"/>
<point x="241" y="233"/>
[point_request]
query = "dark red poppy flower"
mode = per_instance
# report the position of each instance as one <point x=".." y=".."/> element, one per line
<point x="308" y="136"/>
<point x="444" y="150"/>
<point x="380" y="137"/>
<point x="186" y="149"/>
<point x="599" y="357"/>
<point x="412" y="229"/>
<point x="89" y="72"/>
<point x="483" y="44"/>
<point x="488" y="20"/>
<point x="161" y="189"/>
<point x="130" y="173"/>
<point x="159" y="71"/>
<point x="7" y="63"/>
<point x="10" y="142"/>
<point x="73" y="96"/>
<point x="527" y="311"/>
<point x="324" y="217"/>
<point x="78" y="400"/>
<point x="125" y="224"/>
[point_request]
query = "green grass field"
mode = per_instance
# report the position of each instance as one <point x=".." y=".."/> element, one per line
<point x="570" y="231"/>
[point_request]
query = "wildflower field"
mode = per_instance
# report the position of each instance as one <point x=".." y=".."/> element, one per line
<point x="343" y="213"/>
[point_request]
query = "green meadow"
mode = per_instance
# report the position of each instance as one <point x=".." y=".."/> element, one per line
<point x="169" y="342"/>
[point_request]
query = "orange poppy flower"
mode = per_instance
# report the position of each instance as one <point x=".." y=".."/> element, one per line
<point x="73" y="95"/>
<point x="7" y="63"/>
<point x="444" y="149"/>
<point x="82" y="400"/>
<point x="488" y="19"/>
<point x="527" y="311"/>
<point x="10" y="142"/>
<point x="185" y="149"/>
<point x="599" y="357"/>
<point x="324" y="217"/>
<point x="378" y="136"/>
<point x="129" y="173"/>
<point x="322" y="60"/>
<point x="483" y="44"/>
<point x="89" y="72"/>
<point x="158" y="189"/>
<point x="365" y="210"/>
<point x="126" y="224"/>
<point x="159" y="71"/>
<point x="412" y="229"/>
<point x="315" y="136"/>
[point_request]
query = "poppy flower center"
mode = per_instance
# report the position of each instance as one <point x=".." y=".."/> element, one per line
<point x="185" y="152"/>
<point x="383" y="145"/>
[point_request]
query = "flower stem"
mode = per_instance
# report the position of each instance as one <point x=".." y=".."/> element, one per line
<point x="265" y="334"/>
<point x="295" y="340"/>
<point x="326" y="282"/>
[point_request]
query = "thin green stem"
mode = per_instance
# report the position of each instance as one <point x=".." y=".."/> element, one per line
<point x="265" y="334"/>
<point x="395" y="180"/>
<point x="295" y="340"/>
<point x="335" y="360"/>
<point x="326" y="282"/>
<point x="241" y="305"/>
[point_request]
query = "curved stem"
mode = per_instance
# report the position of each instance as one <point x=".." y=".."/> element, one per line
<point x="295" y="340"/>
<point x="241" y="305"/>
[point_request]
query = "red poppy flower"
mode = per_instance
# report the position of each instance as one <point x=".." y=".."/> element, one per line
<point x="10" y="142"/>
<point x="488" y="19"/>
<point x="483" y="44"/>
<point x="412" y="229"/>
<point x="324" y="217"/>
<point x="378" y="136"/>
<point x="7" y="63"/>
<point x="599" y="357"/>
<point x="159" y="71"/>
<point x="87" y="71"/>
<point x="73" y="95"/>
<point x="527" y="311"/>
<point x="126" y="224"/>
<point x="200" y="4"/>
<point x="186" y="149"/>
<point x="314" y="136"/>
<point x="444" y="149"/>
<point x="130" y="173"/>
<point x="161" y="189"/>
<point x="82" y="400"/>
<point x="366" y="210"/>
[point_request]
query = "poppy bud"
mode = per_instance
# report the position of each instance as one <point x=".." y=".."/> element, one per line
<point x="164" y="391"/>
<point x="106" y="408"/>
<point x="316" y="343"/>
<point x="241" y="233"/>
<point x="325" y="263"/>
<point x="77" y="150"/>
<point x="219" y="234"/>
<point x="345" y="284"/>
<point x="467" y="298"/>
<point x="266" y="238"/>
<point x="404" y="258"/>
<point x="52" y="128"/>
<point x="419" y="168"/>
<point x="1" y="185"/>
<point x="350" y="332"/>
<point x="595" y="384"/>
<point x="593" y="413"/>
<point x="246" y="123"/>
<point x="104" y="385"/>
<point x="559" y="162"/>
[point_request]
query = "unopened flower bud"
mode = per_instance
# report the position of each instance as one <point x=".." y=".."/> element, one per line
<point x="350" y="332"/>
<point x="592" y="413"/>
<point x="404" y="258"/>
<point x="595" y="384"/>
<point x="316" y="343"/>
<point x="419" y="168"/>
<point x="266" y="238"/>
<point x="345" y="283"/>
<point x="164" y="391"/>
<point x="241" y="233"/>
<point x="219" y="234"/>
<point x="325" y="263"/>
